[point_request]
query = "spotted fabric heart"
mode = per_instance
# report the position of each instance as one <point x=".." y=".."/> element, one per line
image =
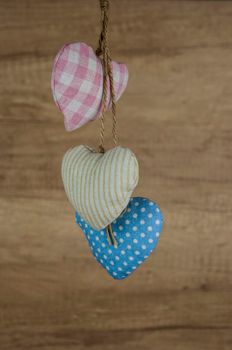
<point x="77" y="84"/>
<point x="137" y="232"/>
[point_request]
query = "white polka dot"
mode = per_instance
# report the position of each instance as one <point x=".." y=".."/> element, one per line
<point x="96" y="254"/>
<point x="128" y="210"/>
<point x="105" y="257"/>
<point x="150" y="215"/>
<point x="157" y="234"/>
<point x="127" y="222"/>
<point x="117" y="258"/>
<point x="157" y="210"/>
<point x="135" y="240"/>
<point x="88" y="236"/>
<point x="110" y="251"/>
<point x="103" y="245"/>
<point x="86" y="225"/>
<point x="143" y="210"/>
<point x="128" y="246"/>
<point x="149" y="228"/>
<point x="142" y="235"/>
<point x="111" y="262"/>
<point x="151" y="203"/>
<point x="102" y="233"/>
<point x="120" y="227"/>
<point x="135" y="228"/>
<point x="102" y="261"/>
<point x="150" y="240"/>
<point x="107" y="268"/>
<point x="128" y="272"/>
<point x="123" y="252"/>
<point x="125" y="263"/>
<point x="115" y="273"/>
<point x="127" y="234"/>
<point x="121" y="240"/>
<point x="93" y="243"/>
<point x="133" y="267"/>
<point x="82" y="219"/>
<point x="135" y="216"/>
<point x="157" y="222"/>
<point x="97" y="238"/>
<point x="145" y="256"/>
<point x="91" y="232"/>
<point x="139" y="262"/>
<point x="136" y="204"/>
<point x="131" y="258"/>
<point x="137" y="252"/>
<point x="142" y="222"/>
<point x="119" y="269"/>
<point x="143" y="246"/>
<point x="99" y="250"/>
<point x="114" y="222"/>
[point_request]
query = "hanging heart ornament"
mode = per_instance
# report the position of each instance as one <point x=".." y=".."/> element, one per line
<point x="137" y="231"/>
<point x="99" y="186"/>
<point x="77" y="84"/>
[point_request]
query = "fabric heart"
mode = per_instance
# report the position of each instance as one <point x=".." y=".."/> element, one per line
<point x="99" y="186"/>
<point x="77" y="84"/>
<point x="137" y="232"/>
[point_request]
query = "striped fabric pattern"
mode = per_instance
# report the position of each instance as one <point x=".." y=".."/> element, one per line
<point x="99" y="186"/>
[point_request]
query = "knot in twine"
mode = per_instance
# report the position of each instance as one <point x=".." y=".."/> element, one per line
<point x="104" y="5"/>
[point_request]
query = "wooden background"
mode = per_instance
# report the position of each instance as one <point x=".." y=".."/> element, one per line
<point x="176" y="116"/>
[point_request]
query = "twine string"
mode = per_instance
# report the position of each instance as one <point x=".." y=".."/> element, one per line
<point x="103" y="50"/>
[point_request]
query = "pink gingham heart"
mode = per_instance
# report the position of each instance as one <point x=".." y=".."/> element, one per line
<point x="77" y="84"/>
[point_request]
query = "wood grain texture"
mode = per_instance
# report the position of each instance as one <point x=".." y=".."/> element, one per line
<point x="176" y="117"/>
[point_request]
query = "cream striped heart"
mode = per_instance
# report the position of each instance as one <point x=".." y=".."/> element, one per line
<point x="98" y="185"/>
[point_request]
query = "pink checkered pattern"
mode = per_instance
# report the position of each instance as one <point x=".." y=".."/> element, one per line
<point x="77" y="84"/>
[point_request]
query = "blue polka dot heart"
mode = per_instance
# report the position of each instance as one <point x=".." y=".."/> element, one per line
<point x="137" y="232"/>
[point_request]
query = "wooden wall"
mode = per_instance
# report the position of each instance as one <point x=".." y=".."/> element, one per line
<point x="176" y="116"/>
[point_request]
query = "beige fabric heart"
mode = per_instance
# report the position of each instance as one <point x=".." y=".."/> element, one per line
<point x="98" y="185"/>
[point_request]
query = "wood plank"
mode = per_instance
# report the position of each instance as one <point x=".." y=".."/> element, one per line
<point x="176" y="116"/>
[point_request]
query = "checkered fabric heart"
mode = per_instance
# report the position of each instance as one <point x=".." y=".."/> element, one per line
<point x="77" y="84"/>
